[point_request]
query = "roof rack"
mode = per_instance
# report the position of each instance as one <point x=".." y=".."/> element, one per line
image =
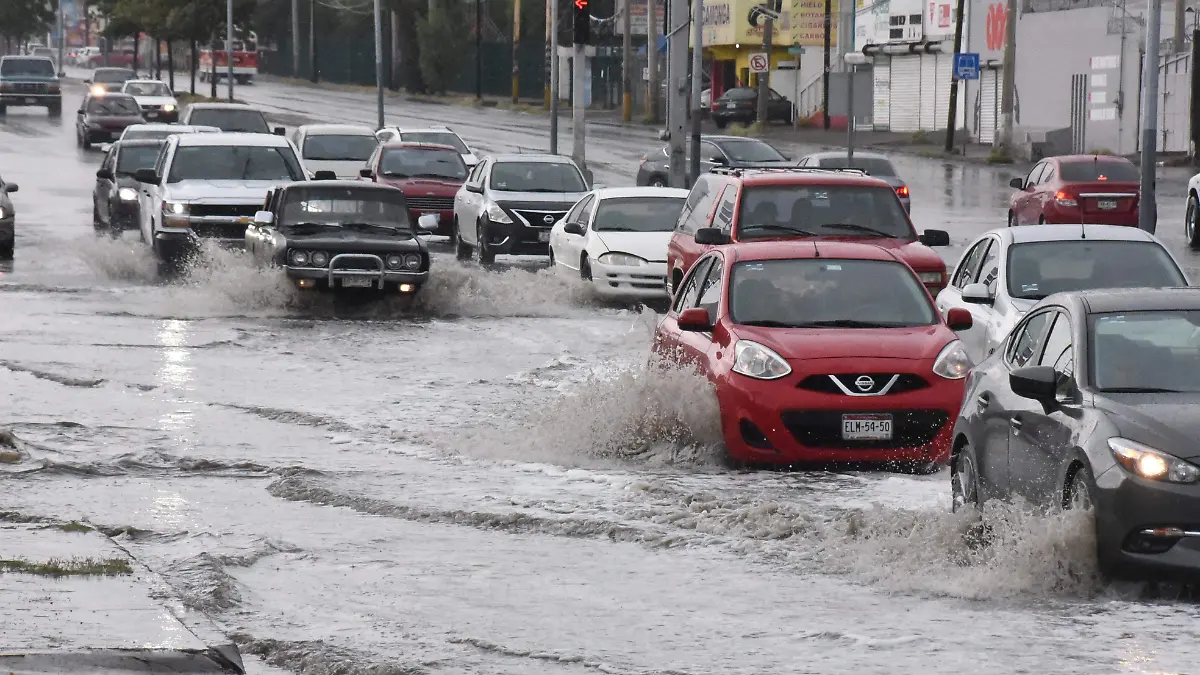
<point x="738" y="173"/>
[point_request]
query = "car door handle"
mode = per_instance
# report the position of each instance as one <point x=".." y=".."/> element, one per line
<point x="1016" y="423"/>
<point x="983" y="401"/>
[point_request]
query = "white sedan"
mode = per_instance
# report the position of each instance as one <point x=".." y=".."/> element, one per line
<point x="617" y="239"/>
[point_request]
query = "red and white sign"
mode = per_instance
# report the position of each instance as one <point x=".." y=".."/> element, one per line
<point x="759" y="63"/>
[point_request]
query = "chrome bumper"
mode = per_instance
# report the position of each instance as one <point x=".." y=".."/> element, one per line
<point x="335" y="276"/>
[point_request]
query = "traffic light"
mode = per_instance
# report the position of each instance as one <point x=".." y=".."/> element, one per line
<point x="583" y="22"/>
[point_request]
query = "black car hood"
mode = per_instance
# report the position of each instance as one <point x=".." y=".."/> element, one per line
<point x="1167" y="422"/>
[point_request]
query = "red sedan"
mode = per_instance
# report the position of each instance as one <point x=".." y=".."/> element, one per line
<point x="1093" y="189"/>
<point x="832" y="352"/>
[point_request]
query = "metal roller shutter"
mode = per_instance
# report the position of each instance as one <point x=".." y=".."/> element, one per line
<point x="882" y="109"/>
<point x="906" y="94"/>
<point x="988" y="115"/>
<point x="943" y="71"/>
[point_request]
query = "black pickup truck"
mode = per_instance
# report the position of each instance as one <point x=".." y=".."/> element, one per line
<point x="29" y="81"/>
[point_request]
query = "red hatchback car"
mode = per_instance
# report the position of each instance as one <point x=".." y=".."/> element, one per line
<point x="799" y="203"/>
<point x="428" y="175"/>
<point x="832" y="352"/>
<point x="1092" y="189"/>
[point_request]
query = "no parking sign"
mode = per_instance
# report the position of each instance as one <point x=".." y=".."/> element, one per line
<point x="759" y="63"/>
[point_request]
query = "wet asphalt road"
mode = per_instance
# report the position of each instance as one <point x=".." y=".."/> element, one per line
<point x="488" y="483"/>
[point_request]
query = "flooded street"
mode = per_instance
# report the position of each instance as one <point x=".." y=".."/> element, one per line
<point x="491" y="481"/>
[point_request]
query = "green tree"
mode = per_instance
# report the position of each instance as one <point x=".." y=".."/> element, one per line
<point x="21" y="20"/>
<point x="439" y="39"/>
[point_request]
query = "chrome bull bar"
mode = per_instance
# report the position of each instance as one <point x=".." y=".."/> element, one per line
<point x="375" y="275"/>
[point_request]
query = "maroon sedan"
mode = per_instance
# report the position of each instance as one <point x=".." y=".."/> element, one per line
<point x="429" y="175"/>
<point x="102" y="118"/>
<point x="1094" y="189"/>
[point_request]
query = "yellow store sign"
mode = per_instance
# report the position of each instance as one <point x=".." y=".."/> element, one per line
<point x="727" y="23"/>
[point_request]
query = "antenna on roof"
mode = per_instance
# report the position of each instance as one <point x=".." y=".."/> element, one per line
<point x="1082" y="231"/>
<point x="816" y="251"/>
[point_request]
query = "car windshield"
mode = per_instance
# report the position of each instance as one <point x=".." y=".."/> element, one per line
<point x="27" y="68"/>
<point x="435" y="138"/>
<point x="348" y="148"/>
<point x="638" y="214"/>
<point x="843" y="210"/>
<point x="345" y="206"/>
<point x="1036" y="270"/>
<point x="422" y="163"/>
<point x="750" y="150"/>
<point x="1098" y="170"/>
<point x="134" y="157"/>
<point x="1146" y="351"/>
<point x="234" y="162"/>
<point x="147" y="89"/>
<point x="111" y="76"/>
<point x="537" y="177"/>
<point x="230" y="120"/>
<point x="876" y="166"/>
<point x="123" y="105"/>
<point x="827" y="293"/>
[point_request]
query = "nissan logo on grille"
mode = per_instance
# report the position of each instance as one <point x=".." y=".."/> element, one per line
<point x="864" y="383"/>
<point x="548" y="219"/>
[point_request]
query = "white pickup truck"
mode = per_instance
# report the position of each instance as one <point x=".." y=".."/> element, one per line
<point x="209" y="186"/>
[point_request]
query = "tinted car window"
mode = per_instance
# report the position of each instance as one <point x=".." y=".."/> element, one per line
<point x="230" y="120"/>
<point x="1146" y="350"/>
<point x="969" y="269"/>
<point x="1036" y="270"/>
<point x="339" y="148"/>
<point x="824" y="292"/>
<point x="537" y="177"/>
<point x="750" y="150"/>
<point x="771" y="211"/>
<point x="110" y="105"/>
<point x="136" y="157"/>
<point x="422" y="163"/>
<point x="741" y="93"/>
<point x="691" y="290"/>
<point x="234" y="162"/>
<point x="1106" y="169"/>
<point x="27" y="68"/>
<point x="638" y="214"/>
<point x="1026" y="343"/>
<point x="876" y="166"/>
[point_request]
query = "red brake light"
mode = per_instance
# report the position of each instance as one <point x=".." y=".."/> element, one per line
<point x="902" y="191"/>
<point x="1064" y="198"/>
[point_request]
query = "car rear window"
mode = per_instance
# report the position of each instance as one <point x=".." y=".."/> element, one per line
<point x="108" y="105"/>
<point x="230" y="120"/>
<point x="344" y="148"/>
<point x="1039" y="269"/>
<point x="113" y="76"/>
<point x="876" y="166"/>
<point x="750" y="150"/>
<point x="824" y="210"/>
<point x="27" y="68"/>
<point x="422" y="163"/>
<point x="742" y="94"/>
<point x="1105" y="169"/>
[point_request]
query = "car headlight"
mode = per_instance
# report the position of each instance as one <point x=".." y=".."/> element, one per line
<point x="97" y="90"/>
<point x="622" y="259"/>
<point x="412" y="261"/>
<point x="127" y="194"/>
<point x="319" y="258"/>
<point x="1147" y="462"/>
<point x="3" y="214"/>
<point x="759" y="362"/>
<point x="395" y="261"/>
<point x="299" y="258"/>
<point x="953" y="363"/>
<point x="496" y="214"/>
<point x="930" y="277"/>
<point x="168" y="107"/>
<point x="175" y="208"/>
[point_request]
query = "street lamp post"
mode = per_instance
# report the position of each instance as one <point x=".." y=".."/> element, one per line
<point x="229" y="45"/>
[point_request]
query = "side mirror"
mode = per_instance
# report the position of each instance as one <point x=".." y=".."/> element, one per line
<point x="366" y="173"/>
<point x="977" y="294"/>
<point x="1034" y="382"/>
<point x="695" y="320"/>
<point x="1017" y="183"/>
<point x="711" y="236"/>
<point x="428" y="222"/>
<point x="264" y="218"/>
<point x="104" y="174"/>
<point x="935" y="238"/>
<point x="87" y="81"/>
<point x="959" y="319"/>
<point x="477" y="189"/>
<point x="11" y="187"/>
<point x="79" y="112"/>
<point x="573" y="228"/>
<point x="146" y="176"/>
<point x="718" y="160"/>
<point x="279" y="131"/>
<point x="325" y="175"/>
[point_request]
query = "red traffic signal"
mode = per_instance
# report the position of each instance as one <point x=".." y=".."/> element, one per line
<point x="581" y="4"/>
<point x="583" y="23"/>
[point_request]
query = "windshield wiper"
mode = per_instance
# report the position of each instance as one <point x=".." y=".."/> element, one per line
<point x="390" y="228"/>
<point x="1139" y="390"/>
<point x="845" y="323"/>
<point x="311" y="226"/>
<point x="859" y="228"/>
<point x="769" y="323"/>
<point x="781" y="228"/>
<point x="616" y="229"/>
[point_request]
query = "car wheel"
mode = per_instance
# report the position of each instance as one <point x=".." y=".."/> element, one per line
<point x="1012" y="220"/>
<point x="486" y="256"/>
<point x="964" y="480"/>
<point x="84" y="142"/>
<point x="585" y="268"/>
<point x="658" y="181"/>
<point x="1042" y="220"/>
<point x="1079" y="490"/>
<point x="3" y="110"/>
<point x="1193" y="207"/>
<point x="54" y="110"/>
<point x="720" y="123"/>
<point x="462" y="250"/>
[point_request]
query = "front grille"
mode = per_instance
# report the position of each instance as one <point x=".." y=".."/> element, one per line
<point x="219" y="231"/>
<point x="823" y="428"/>
<point x="28" y="87"/>
<point x="430" y="203"/>
<point x="538" y="218"/>
<point x="224" y="210"/>
<point x="824" y="384"/>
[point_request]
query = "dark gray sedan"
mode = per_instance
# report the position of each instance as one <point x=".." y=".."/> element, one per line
<point x="1093" y="401"/>
<point x="7" y="219"/>
<point x="873" y="163"/>
<point x="735" y="152"/>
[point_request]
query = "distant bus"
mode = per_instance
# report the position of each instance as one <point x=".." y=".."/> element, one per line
<point x="245" y="60"/>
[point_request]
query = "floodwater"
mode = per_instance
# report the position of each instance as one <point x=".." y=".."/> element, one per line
<point x="492" y="481"/>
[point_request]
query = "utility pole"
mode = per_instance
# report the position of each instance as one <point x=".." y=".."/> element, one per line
<point x="295" y="38"/>
<point x="478" y="50"/>
<point x="1008" y="85"/>
<point x="697" y="85"/>
<point x="378" y="65"/>
<point x="1180" y="6"/>
<point x="228" y="45"/>
<point x="554" y="88"/>
<point x="1147" y="206"/>
<point x="583" y="36"/>
<point x="549" y="56"/>
<point x="677" y="67"/>
<point x="952" y="114"/>
<point x="652" y="60"/>
<point x="764" y="78"/>
<point x="312" y="41"/>
<point x="516" y="61"/>
<point x="627" y="62"/>
<point x="62" y="39"/>
<point x="825" y="76"/>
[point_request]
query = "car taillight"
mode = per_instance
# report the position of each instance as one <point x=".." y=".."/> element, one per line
<point x="902" y="191"/>
<point x="1063" y="198"/>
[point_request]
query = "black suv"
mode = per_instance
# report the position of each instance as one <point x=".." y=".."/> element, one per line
<point x="29" y="81"/>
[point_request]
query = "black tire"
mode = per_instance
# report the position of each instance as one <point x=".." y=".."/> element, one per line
<point x="486" y="256"/>
<point x="54" y="110"/>
<point x="720" y="123"/>
<point x="1079" y="490"/>
<point x="585" y="268"/>
<point x="1042" y="220"/>
<point x="462" y="250"/>
<point x="964" y="479"/>
<point x="3" y="110"/>
<point x="658" y="180"/>
<point x="1191" y="229"/>
<point x="6" y="250"/>
<point x="85" y="142"/>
